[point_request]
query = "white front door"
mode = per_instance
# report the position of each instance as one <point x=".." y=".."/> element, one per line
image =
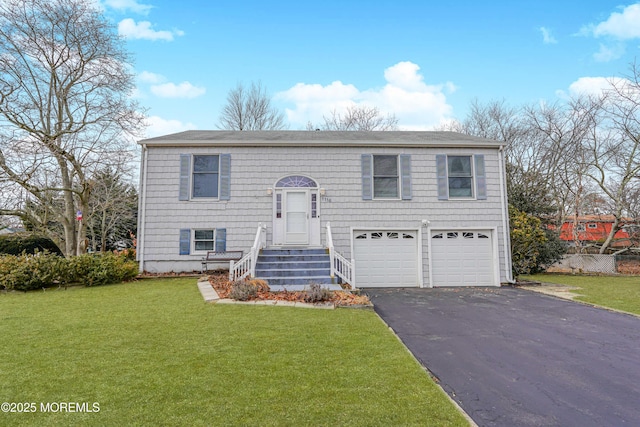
<point x="296" y="217"/>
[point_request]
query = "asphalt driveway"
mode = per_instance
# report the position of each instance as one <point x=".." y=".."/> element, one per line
<point x="512" y="357"/>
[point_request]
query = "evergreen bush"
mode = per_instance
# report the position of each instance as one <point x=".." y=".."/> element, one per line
<point x="16" y="244"/>
<point x="35" y="271"/>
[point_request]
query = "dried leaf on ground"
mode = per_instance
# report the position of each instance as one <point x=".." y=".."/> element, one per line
<point x="220" y="282"/>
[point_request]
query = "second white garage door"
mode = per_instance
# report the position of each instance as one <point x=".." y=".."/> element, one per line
<point x="386" y="258"/>
<point x="462" y="258"/>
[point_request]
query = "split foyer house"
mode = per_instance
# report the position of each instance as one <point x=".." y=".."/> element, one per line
<point x="393" y="209"/>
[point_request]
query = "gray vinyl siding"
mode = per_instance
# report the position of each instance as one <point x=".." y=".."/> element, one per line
<point x="336" y="169"/>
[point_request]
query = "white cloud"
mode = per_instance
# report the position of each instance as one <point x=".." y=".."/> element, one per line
<point x="142" y="30"/>
<point x="620" y="26"/>
<point x="609" y="53"/>
<point x="129" y="5"/>
<point x="152" y="78"/>
<point x="416" y="105"/>
<point x="591" y="86"/>
<point x="623" y="25"/>
<point x="159" y="126"/>
<point x="547" y="38"/>
<point x="181" y="90"/>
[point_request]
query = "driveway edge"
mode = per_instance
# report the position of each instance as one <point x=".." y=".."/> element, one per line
<point x="433" y="377"/>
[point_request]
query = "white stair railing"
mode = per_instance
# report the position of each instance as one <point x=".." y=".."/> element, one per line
<point x="246" y="266"/>
<point x="340" y="266"/>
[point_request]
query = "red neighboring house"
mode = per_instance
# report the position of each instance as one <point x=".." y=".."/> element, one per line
<point x="596" y="228"/>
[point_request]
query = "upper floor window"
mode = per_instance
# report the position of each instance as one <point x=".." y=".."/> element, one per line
<point x="386" y="176"/>
<point x="461" y="177"/>
<point x="205" y="176"/>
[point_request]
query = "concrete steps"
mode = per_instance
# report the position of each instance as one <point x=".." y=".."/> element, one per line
<point x="294" y="269"/>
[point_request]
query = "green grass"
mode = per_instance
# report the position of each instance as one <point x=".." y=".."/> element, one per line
<point x="153" y="353"/>
<point x="617" y="292"/>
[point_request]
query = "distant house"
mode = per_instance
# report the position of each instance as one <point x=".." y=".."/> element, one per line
<point x="592" y="229"/>
<point x="382" y="209"/>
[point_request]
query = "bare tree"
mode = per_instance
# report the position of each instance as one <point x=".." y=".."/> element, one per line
<point x="65" y="109"/>
<point x="250" y="109"/>
<point x="614" y="147"/>
<point x="359" y="118"/>
<point x="113" y="207"/>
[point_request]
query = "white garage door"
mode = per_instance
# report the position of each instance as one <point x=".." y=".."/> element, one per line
<point x="462" y="258"/>
<point x="386" y="258"/>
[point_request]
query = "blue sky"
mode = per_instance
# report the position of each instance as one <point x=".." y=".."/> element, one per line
<point x="423" y="61"/>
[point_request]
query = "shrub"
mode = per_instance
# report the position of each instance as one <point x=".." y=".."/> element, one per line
<point x="27" y="272"/>
<point x="260" y="285"/>
<point x="127" y="253"/>
<point x="316" y="293"/>
<point x="101" y="269"/>
<point x="527" y="240"/>
<point x="16" y="244"/>
<point x="241" y="290"/>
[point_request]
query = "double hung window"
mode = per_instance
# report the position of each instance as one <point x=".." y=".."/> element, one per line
<point x="461" y="177"/>
<point x="202" y="240"/>
<point x="206" y="175"/>
<point x="386" y="176"/>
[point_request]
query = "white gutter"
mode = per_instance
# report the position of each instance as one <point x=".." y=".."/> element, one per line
<point x="505" y="218"/>
<point x="142" y="208"/>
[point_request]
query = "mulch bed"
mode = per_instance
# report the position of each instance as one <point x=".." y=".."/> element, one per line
<point x="220" y="282"/>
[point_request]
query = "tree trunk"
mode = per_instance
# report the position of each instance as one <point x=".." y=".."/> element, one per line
<point x="612" y="233"/>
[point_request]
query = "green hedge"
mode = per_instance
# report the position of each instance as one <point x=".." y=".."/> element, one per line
<point x="19" y="243"/>
<point x="27" y="272"/>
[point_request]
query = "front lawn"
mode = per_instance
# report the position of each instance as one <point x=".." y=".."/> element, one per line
<point x="153" y="353"/>
<point x="617" y="292"/>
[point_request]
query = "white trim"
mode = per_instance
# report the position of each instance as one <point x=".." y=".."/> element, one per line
<point x="142" y="209"/>
<point x="194" y="251"/>
<point x="506" y="229"/>
<point x="398" y="178"/>
<point x="296" y="174"/>
<point x="420" y="261"/>
<point x="494" y="245"/>
<point x="474" y="180"/>
<point x="193" y="198"/>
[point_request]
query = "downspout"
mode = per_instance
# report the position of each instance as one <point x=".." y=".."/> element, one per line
<point x="142" y="208"/>
<point x="505" y="217"/>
